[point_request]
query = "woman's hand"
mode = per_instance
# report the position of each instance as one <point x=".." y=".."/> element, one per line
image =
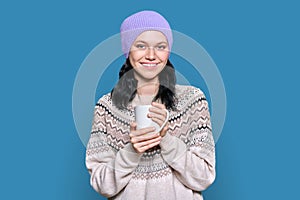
<point x="158" y="114"/>
<point x="143" y="139"/>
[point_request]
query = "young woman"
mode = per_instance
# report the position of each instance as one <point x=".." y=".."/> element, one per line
<point x="129" y="163"/>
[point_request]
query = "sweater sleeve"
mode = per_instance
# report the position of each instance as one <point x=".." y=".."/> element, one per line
<point x="192" y="160"/>
<point x="110" y="169"/>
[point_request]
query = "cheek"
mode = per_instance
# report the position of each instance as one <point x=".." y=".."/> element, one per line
<point x="163" y="56"/>
<point x="135" y="56"/>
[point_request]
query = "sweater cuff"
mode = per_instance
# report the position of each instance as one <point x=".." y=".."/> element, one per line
<point x="129" y="152"/>
<point x="172" y="148"/>
<point x="127" y="158"/>
<point x="166" y="140"/>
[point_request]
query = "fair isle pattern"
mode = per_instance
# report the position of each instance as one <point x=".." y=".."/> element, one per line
<point x="190" y="122"/>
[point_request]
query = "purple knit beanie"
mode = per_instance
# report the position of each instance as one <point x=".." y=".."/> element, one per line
<point x="142" y="21"/>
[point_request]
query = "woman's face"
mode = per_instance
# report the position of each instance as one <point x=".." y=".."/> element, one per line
<point x="149" y="55"/>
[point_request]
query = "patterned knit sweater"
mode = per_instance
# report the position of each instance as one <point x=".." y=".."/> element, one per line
<point x="180" y="167"/>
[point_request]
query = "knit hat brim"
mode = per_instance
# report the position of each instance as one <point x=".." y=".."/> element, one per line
<point x="140" y="22"/>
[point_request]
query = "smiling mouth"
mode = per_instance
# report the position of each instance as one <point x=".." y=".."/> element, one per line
<point x="149" y="64"/>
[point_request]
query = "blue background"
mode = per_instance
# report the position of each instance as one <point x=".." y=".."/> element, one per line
<point x="255" y="45"/>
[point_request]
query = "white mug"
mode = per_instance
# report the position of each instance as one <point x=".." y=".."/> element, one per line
<point x="143" y="121"/>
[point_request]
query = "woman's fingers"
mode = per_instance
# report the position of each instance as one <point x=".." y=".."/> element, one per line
<point x="142" y="131"/>
<point x="159" y="119"/>
<point x="148" y="142"/>
<point x="145" y="137"/>
<point x="143" y="146"/>
<point x="158" y="113"/>
<point x="158" y="105"/>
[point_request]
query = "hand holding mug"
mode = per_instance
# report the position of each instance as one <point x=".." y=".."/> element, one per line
<point x="144" y="138"/>
<point x="151" y="123"/>
<point x="155" y="115"/>
<point x="160" y="115"/>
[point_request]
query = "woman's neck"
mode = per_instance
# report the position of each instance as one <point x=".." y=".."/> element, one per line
<point x="147" y="89"/>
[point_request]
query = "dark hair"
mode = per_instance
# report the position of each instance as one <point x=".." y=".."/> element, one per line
<point x="126" y="88"/>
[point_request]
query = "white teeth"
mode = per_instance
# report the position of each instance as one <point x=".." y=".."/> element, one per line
<point x="149" y="65"/>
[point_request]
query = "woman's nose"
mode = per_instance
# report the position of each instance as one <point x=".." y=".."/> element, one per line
<point x="150" y="54"/>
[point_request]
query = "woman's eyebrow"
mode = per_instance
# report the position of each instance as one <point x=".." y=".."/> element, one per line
<point x="162" y="42"/>
<point x="140" y="41"/>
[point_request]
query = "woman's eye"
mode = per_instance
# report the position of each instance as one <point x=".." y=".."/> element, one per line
<point x="161" y="47"/>
<point x="140" y="46"/>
